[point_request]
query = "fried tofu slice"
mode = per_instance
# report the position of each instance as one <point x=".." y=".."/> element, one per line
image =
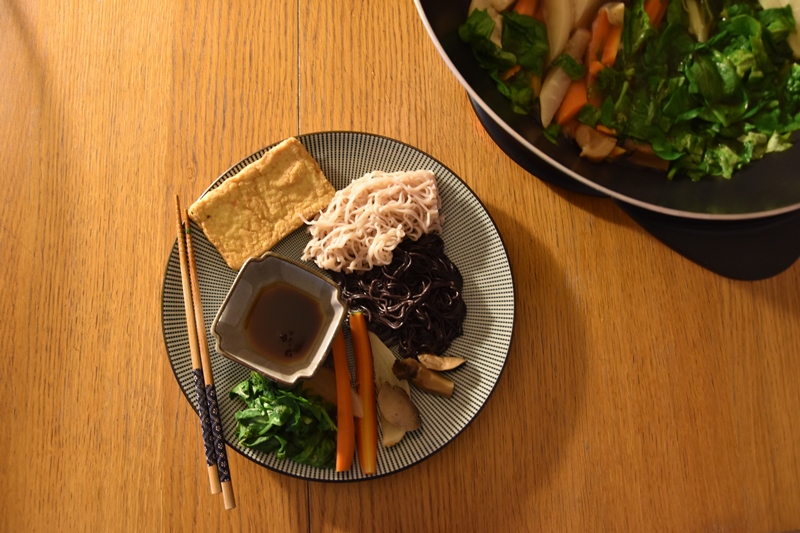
<point x="251" y="212"/>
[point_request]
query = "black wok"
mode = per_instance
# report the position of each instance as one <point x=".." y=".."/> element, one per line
<point x="765" y="188"/>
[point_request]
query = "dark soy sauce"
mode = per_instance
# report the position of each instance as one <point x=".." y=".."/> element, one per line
<point x="283" y="323"/>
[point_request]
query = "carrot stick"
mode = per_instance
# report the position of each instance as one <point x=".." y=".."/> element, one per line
<point x="606" y="130"/>
<point x="651" y="8"/>
<point x="367" y="427"/>
<point x="345" y="437"/>
<point x="574" y="100"/>
<point x="510" y="72"/>
<point x="600" y="28"/>
<point x="594" y="68"/>
<point x="655" y="10"/>
<point x="526" y="7"/>
<point x="660" y="15"/>
<point x="611" y="45"/>
<point x="594" y="51"/>
<point x="616" y="152"/>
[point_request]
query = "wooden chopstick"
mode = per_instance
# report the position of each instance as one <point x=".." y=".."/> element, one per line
<point x="197" y="367"/>
<point x="208" y="374"/>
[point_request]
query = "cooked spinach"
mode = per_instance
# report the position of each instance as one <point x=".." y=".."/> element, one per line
<point x="573" y="69"/>
<point x="477" y="32"/>
<point x="287" y="421"/>
<point x="526" y="38"/>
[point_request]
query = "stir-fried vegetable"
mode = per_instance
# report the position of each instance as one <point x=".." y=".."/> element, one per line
<point x="524" y="43"/>
<point x="565" y="69"/>
<point x="706" y="86"/>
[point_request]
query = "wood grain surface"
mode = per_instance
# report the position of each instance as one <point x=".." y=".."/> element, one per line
<point x="641" y="393"/>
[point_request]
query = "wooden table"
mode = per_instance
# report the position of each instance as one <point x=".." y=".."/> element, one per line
<point x="641" y="392"/>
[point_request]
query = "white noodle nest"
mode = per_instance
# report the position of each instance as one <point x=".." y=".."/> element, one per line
<point x="366" y="220"/>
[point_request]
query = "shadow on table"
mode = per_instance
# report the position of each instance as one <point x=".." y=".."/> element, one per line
<point x="599" y="207"/>
<point x="542" y="389"/>
<point x="772" y="291"/>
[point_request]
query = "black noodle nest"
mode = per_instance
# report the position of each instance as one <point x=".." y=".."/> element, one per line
<point x="415" y="301"/>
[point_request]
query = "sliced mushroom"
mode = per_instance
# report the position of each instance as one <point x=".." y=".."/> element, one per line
<point x="424" y="378"/>
<point x="390" y="434"/>
<point x="595" y="146"/>
<point x="398" y="408"/>
<point x="440" y="362"/>
<point x="383" y="359"/>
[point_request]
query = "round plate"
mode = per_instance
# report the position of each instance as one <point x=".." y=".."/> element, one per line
<point x="765" y="188"/>
<point x="471" y="241"/>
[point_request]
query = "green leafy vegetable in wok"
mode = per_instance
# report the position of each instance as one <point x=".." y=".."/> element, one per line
<point x="709" y="87"/>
